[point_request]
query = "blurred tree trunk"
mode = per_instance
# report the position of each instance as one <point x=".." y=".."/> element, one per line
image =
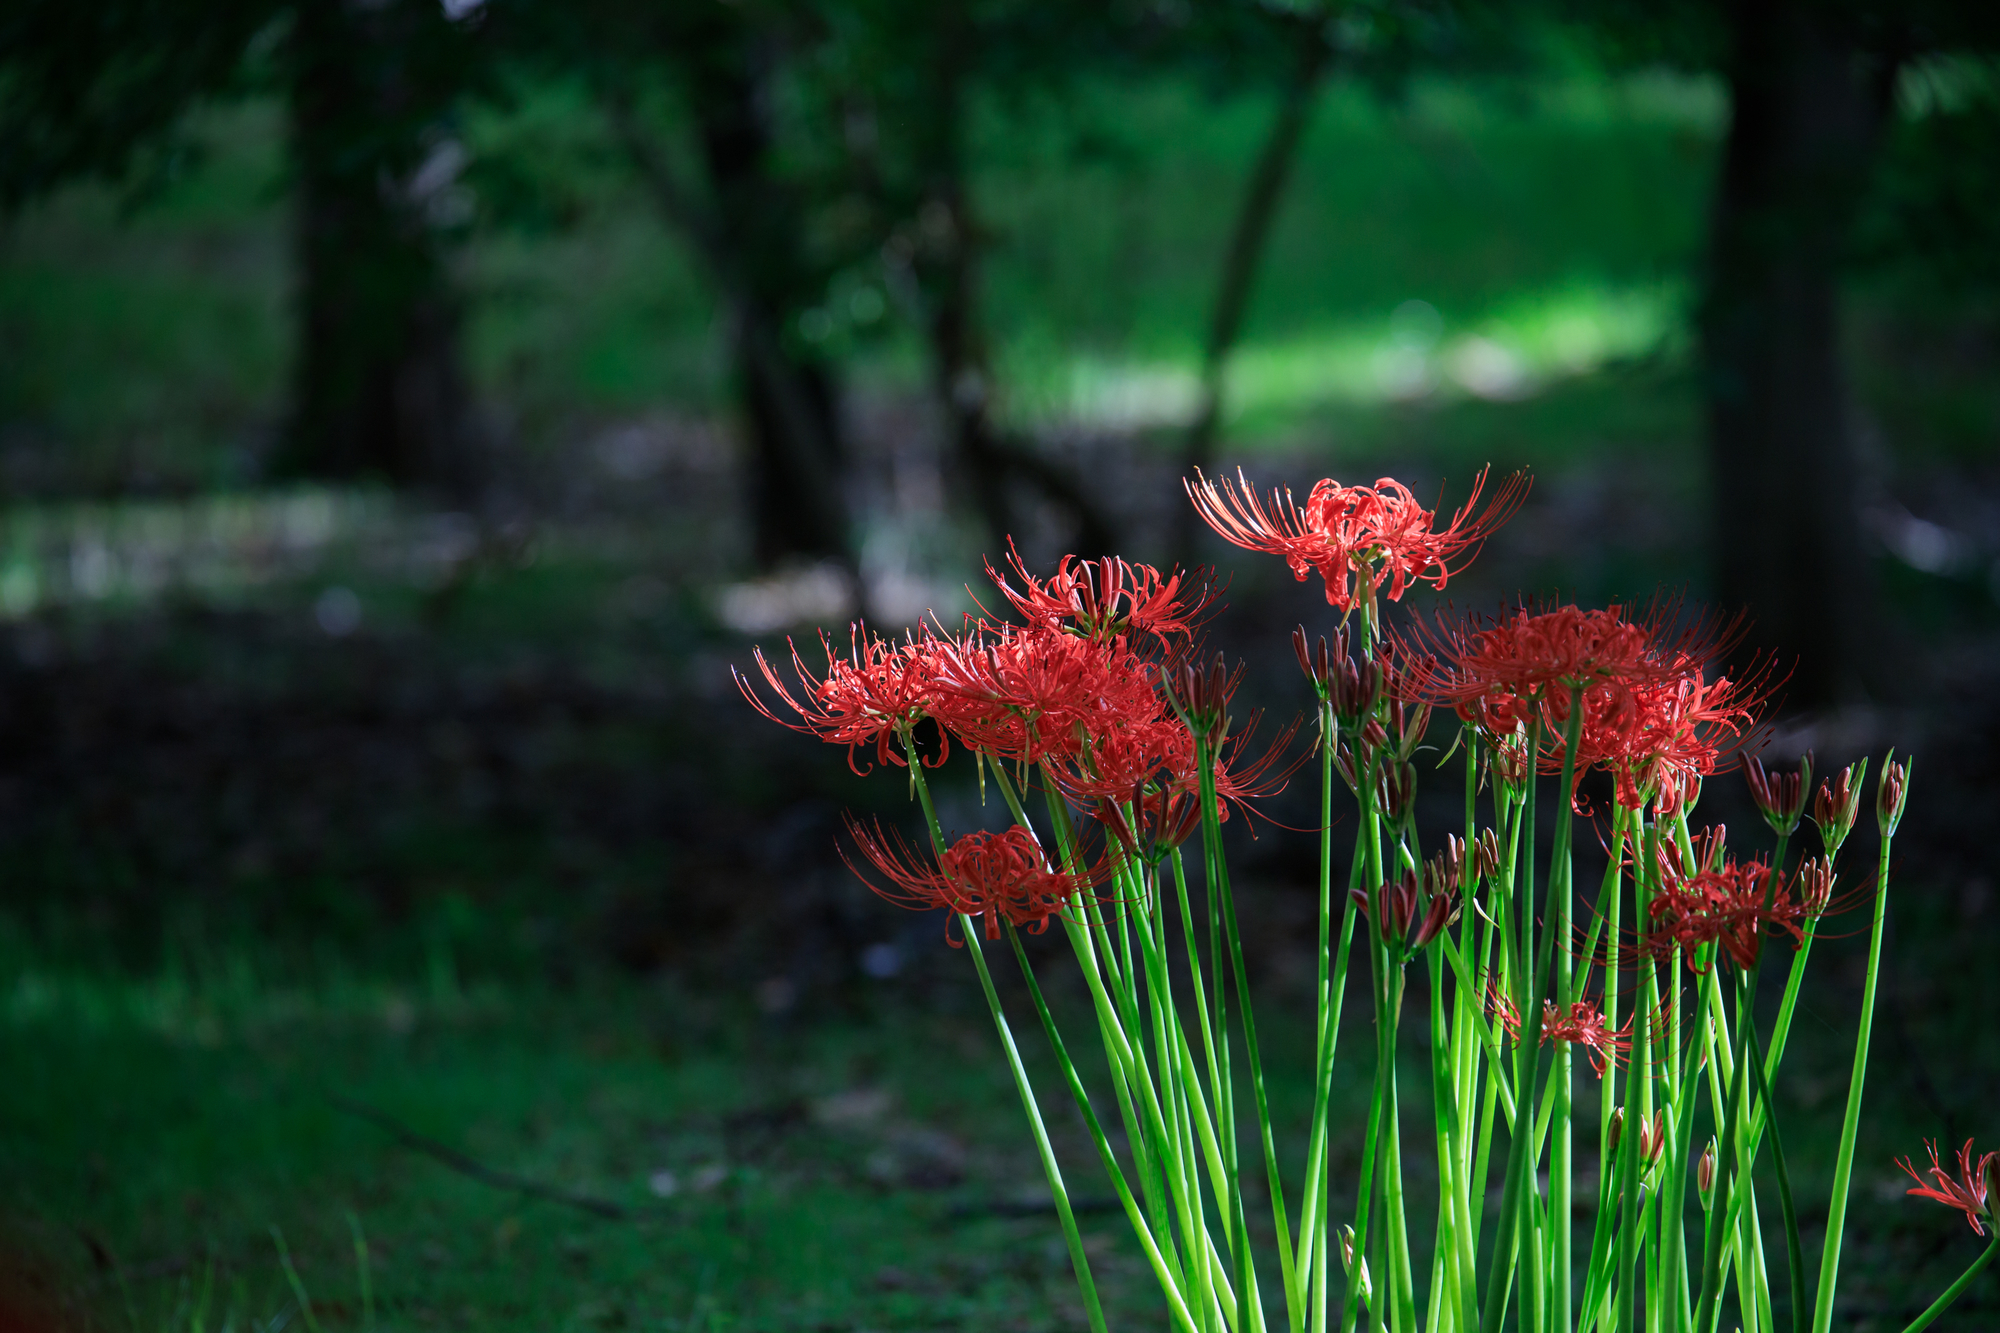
<point x="1808" y="105"/>
<point x="378" y="389"/>
<point x="1255" y="215"/>
<point x="945" y="254"/>
<point x="789" y="406"/>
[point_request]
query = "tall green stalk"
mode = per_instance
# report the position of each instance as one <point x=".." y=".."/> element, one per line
<point x="1850" y="1125"/>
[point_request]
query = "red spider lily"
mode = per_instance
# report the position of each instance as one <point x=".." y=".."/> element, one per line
<point x="1724" y="904"/>
<point x="1582" y="1025"/>
<point x="1495" y="674"/>
<point x="1495" y="671"/>
<point x="1780" y="797"/>
<point x="1116" y="760"/>
<point x="1104" y="598"/>
<point x="1968" y="1193"/>
<point x="874" y="695"/>
<point x="993" y="876"/>
<point x="1365" y="535"/>
<point x="1034" y="694"/>
<point x="1675" y="733"/>
<point x="1409" y="913"/>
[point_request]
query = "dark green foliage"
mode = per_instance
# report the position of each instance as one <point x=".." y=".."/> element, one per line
<point x="87" y="90"/>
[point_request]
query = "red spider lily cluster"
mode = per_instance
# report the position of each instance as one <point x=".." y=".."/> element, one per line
<point x="1090" y="691"/>
<point x="1655" y="711"/>
<point x="1097" y="687"/>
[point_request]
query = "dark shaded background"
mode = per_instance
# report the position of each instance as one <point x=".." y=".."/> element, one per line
<point x="408" y="413"/>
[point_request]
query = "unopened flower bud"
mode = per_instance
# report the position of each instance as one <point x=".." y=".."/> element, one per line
<point x="1838" y="805"/>
<point x="1440" y="917"/>
<point x="1396" y="790"/>
<point x="1653" y="1137"/>
<point x="1704" y="1171"/>
<point x="1489" y="854"/>
<point x="1347" y="1261"/>
<point x="1780" y="797"/>
<point x="1616" y="1132"/>
<point x="1311" y="661"/>
<point x="1891" y="790"/>
<point x="1113" y="818"/>
<point x="1814" y="880"/>
<point x="1508" y="762"/>
<point x="1407" y="723"/>
<point x="1373" y="736"/>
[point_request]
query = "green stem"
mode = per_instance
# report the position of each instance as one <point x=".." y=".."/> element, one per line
<point x="1956" y="1289"/>
<point x="1794" y="1253"/>
<point x="1711" y="1268"/>
<point x="1850" y="1128"/>
<point x="1169" y="1281"/>
<point x="1078" y="1259"/>
<point x="1212" y="833"/>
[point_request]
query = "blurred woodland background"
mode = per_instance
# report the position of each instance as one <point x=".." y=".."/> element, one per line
<point x="409" y="411"/>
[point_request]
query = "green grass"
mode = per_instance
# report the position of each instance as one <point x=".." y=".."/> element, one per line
<point x="777" y="1177"/>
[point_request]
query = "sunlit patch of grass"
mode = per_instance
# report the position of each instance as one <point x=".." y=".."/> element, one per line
<point x="1517" y="349"/>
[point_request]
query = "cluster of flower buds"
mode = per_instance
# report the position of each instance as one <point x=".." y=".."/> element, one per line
<point x="1201" y="696"/>
<point x="1838" y="805"/>
<point x="1892" y="790"/>
<point x="1165" y="821"/>
<point x="1780" y="797"/>
<point x="1814" y="880"/>
<point x="1507" y="761"/>
<point x="1410" y="914"/>
<point x="1652" y="1136"/>
<point x="1352" y="688"/>
<point x="1463" y="871"/>
<point x="1386" y="742"/>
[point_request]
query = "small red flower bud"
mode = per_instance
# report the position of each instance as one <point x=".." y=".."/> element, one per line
<point x="1617" y="1131"/>
<point x="1489" y="854"/>
<point x="1704" y="1171"/>
<point x="1814" y="881"/>
<point x="1891" y="790"/>
<point x="1653" y="1137"/>
<point x="1838" y="805"/>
